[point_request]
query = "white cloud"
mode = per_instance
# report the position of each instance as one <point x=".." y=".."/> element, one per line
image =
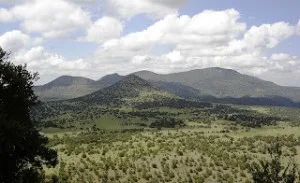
<point x="208" y="39"/>
<point x="56" y="18"/>
<point x="280" y="56"/>
<point x="208" y="27"/>
<point x="14" y="40"/>
<point x="103" y="29"/>
<point x="50" y="65"/>
<point x="152" y="8"/>
<point x="83" y="1"/>
<point x="269" y="35"/>
<point x="5" y="15"/>
<point x="174" y="56"/>
<point x="285" y="62"/>
<point x="206" y="33"/>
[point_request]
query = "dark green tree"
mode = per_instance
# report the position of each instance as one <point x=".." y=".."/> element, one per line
<point x="23" y="150"/>
<point x="273" y="170"/>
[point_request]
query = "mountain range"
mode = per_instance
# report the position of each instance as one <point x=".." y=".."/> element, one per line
<point x="67" y="87"/>
<point x="128" y="90"/>
<point x="209" y="84"/>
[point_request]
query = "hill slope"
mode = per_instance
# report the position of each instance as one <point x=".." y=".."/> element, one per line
<point x="64" y="87"/>
<point x="129" y="89"/>
<point x="67" y="87"/>
<point x="107" y="80"/>
<point x="216" y="82"/>
<point x="221" y="82"/>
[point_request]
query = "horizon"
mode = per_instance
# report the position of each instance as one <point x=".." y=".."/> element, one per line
<point x="124" y="75"/>
<point x="94" y="38"/>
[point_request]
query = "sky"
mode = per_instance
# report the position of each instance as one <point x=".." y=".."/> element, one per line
<point x="93" y="38"/>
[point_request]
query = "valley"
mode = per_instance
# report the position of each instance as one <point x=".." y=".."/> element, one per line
<point x="134" y="131"/>
<point x="200" y="151"/>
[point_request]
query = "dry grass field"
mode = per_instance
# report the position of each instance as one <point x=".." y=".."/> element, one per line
<point x="196" y="153"/>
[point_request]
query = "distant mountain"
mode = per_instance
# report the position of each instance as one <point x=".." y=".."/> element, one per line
<point x="67" y="87"/>
<point x="209" y="84"/>
<point x="64" y="87"/>
<point x="67" y="81"/>
<point x="107" y="80"/>
<point x="219" y="82"/>
<point x="129" y="89"/>
<point x="177" y="89"/>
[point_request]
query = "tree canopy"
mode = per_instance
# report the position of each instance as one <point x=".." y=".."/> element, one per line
<point x="23" y="150"/>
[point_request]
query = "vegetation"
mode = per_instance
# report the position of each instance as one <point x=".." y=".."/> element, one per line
<point x="23" y="150"/>
<point x="167" y="123"/>
<point x="182" y="155"/>
<point x="133" y="131"/>
<point x="273" y="170"/>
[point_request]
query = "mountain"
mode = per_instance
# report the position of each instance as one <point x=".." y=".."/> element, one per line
<point x="64" y="87"/>
<point x="177" y="89"/>
<point x="129" y="89"/>
<point x="68" y="81"/>
<point x="210" y="84"/>
<point x="67" y="87"/>
<point x="220" y="82"/>
<point x="107" y="80"/>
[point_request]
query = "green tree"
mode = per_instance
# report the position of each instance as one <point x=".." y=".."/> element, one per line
<point x="23" y="150"/>
<point x="273" y="170"/>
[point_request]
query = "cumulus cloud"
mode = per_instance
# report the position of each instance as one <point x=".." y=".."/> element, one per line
<point x="103" y="29"/>
<point x="285" y="62"/>
<point x="14" y="40"/>
<point x="280" y="56"/>
<point x="56" y="18"/>
<point x="206" y="33"/>
<point x="49" y="65"/>
<point x="208" y="39"/>
<point x="269" y="35"/>
<point x="206" y="28"/>
<point x="152" y="8"/>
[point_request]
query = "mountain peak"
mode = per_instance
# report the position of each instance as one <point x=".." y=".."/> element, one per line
<point x="129" y="87"/>
<point x="110" y="76"/>
<point x="67" y="80"/>
<point x="215" y="69"/>
<point x="134" y="80"/>
<point x="145" y="71"/>
<point x="223" y="69"/>
<point x="108" y="80"/>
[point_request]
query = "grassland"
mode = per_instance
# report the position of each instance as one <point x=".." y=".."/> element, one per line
<point x="203" y="151"/>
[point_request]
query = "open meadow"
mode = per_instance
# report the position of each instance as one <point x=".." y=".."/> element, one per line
<point x="214" y="150"/>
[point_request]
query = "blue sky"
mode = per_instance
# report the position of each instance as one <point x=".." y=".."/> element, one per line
<point x="93" y="38"/>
